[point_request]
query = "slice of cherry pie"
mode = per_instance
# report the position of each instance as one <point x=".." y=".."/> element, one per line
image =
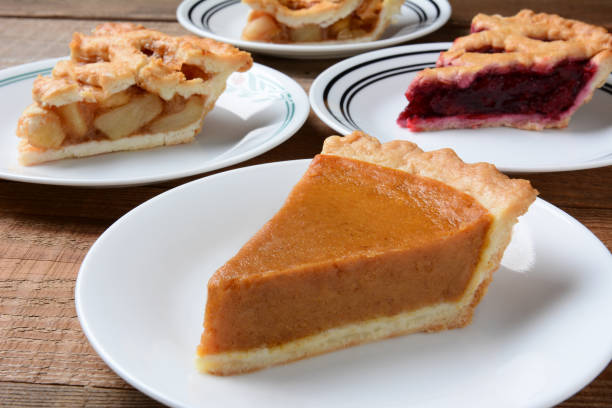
<point x="125" y="88"/>
<point x="530" y="71"/>
<point x="316" y="21"/>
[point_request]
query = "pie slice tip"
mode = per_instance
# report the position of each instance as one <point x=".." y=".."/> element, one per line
<point x="375" y="241"/>
<point x="125" y="88"/>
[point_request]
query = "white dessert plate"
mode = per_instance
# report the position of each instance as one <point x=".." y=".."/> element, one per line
<point x="366" y="92"/>
<point x="538" y="336"/>
<point x="224" y="20"/>
<point x="260" y="109"/>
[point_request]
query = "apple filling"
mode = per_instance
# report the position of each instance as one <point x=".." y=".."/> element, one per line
<point x="262" y="26"/>
<point x="514" y="91"/>
<point x="123" y="114"/>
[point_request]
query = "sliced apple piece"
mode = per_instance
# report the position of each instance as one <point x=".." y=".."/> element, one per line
<point x="127" y="119"/>
<point x="117" y="99"/>
<point x="261" y="27"/>
<point x="306" y="33"/>
<point x="76" y="119"/>
<point x="41" y="127"/>
<point x="192" y="112"/>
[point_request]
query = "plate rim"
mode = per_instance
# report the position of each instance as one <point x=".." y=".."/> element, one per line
<point x="141" y="385"/>
<point x="299" y="115"/>
<point x="318" y="104"/>
<point x="312" y="51"/>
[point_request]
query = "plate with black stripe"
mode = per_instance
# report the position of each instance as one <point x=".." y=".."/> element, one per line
<point x="366" y="92"/>
<point x="223" y="20"/>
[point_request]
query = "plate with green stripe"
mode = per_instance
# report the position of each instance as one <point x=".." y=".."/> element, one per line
<point x="259" y="110"/>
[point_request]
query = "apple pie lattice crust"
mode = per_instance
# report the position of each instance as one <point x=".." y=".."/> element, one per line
<point x="125" y="81"/>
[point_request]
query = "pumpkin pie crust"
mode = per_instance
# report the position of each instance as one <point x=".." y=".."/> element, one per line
<point x="374" y="241"/>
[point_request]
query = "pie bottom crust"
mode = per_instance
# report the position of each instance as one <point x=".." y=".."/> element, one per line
<point x="427" y="319"/>
<point x="488" y="186"/>
<point x="30" y="155"/>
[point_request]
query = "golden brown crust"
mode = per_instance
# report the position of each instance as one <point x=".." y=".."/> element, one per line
<point x="119" y="55"/>
<point x="446" y="316"/>
<point x="526" y="39"/>
<point x="296" y="13"/>
<point x="483" y="181"/>
<point x="121" y="62"/>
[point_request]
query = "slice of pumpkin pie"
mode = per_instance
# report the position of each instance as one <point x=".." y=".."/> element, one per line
<point x="374" y="241"/>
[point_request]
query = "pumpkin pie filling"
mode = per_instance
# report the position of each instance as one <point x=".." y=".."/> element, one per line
<point x="354" y="241"/>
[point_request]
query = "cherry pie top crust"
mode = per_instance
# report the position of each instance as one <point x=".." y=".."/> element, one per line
<point x="527" y="42"/>
<point x="117" y="64"/>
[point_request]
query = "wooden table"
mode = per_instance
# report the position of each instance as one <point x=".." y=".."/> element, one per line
<point x="45" y="231"/>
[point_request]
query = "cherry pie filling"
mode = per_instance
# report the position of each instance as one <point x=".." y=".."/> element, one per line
<point x="518" y="91"/>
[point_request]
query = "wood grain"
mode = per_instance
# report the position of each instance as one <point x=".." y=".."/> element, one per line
<point x="43" y="395"/>
<point x="45" y="231"/>
<point x="591" y="11"/>
<point x="149" y="10"/>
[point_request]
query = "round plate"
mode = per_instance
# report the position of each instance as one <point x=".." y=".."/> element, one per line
<point x="224" y="20"/>
<point x="537" y="337"/>
<point x="259" y="110"/>
<point x="366" y="92"/>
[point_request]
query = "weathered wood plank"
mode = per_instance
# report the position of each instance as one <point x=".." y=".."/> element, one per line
<point x="584" y="189"/>
<point x="56" y="239"/>
<point x="40" y="336"/>
<point x="39" y="395"/>
<point x="29" y="39"/>
<point x="597" y="12"/>
<point x="592" y="11"/>
<point x="156" y="10"/>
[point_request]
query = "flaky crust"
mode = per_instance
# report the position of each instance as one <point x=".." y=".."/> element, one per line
<point x="119" y="55"/>
<point x="114" y="58"/>
<point x="297" y="13"/>
<point x="494" y="190"/>
<point x="526" y="39"/>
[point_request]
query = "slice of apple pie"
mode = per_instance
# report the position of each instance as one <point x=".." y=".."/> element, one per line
<point x="298" y="21"/>
<point x="125" y="88"/>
